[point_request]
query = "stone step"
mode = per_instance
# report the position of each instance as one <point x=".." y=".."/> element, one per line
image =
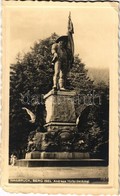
<point x="56" y="155"/>
<point x="60" y="162"/>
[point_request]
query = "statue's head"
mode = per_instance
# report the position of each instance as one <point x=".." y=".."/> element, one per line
<point x="62" y="40"/>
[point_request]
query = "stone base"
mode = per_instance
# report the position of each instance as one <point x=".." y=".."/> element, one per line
<point x="60" y="126"/>
<point x="57" y="155"/>
<point x="60" y="106"/>
<point x="60" y="162"/>
<point x="60" y="122"/>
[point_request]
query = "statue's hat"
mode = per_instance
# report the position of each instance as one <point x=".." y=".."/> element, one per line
<point x="62" y="38"/>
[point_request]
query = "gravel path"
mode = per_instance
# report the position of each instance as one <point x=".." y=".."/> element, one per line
<point x="16" y="172"/>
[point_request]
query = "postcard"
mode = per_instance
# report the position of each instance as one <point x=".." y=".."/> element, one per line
<point x="60" y="97"/>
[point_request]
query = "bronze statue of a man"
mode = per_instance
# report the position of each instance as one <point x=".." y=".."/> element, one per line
<point x="63" y="56"/>
<point x="61" y="60"/>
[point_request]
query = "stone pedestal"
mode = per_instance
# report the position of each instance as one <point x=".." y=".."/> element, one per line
<point x="61" y="138"/>
<point x="60" y="121"/>
<point x="60" y="110"/>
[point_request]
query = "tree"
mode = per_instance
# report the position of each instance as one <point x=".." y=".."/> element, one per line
<point x="79" y="80"/>
<point x="30" y="77"/>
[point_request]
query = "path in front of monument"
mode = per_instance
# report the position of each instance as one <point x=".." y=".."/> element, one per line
<point x="100" y="173"/>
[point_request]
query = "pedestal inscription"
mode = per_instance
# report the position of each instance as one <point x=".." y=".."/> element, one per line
<point x="60" y="106"/>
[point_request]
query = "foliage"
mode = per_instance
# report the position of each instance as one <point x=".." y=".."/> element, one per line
<point x="30" y="77"/>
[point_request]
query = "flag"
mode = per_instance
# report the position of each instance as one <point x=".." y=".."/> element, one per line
<point x="70" y="39"/>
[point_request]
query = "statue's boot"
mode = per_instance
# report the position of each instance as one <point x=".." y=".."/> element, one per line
<point x="55" y="81"/>
<point x="61" y="85"/>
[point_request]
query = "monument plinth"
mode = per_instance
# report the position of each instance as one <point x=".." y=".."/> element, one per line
<point x="61" y="118"/>
<point x="60" y="111"/>
<point x="60" y="107"/>
<point x="61" y="139"/>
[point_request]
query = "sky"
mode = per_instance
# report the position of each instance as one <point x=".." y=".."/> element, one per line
<point x="95" y="29"/>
